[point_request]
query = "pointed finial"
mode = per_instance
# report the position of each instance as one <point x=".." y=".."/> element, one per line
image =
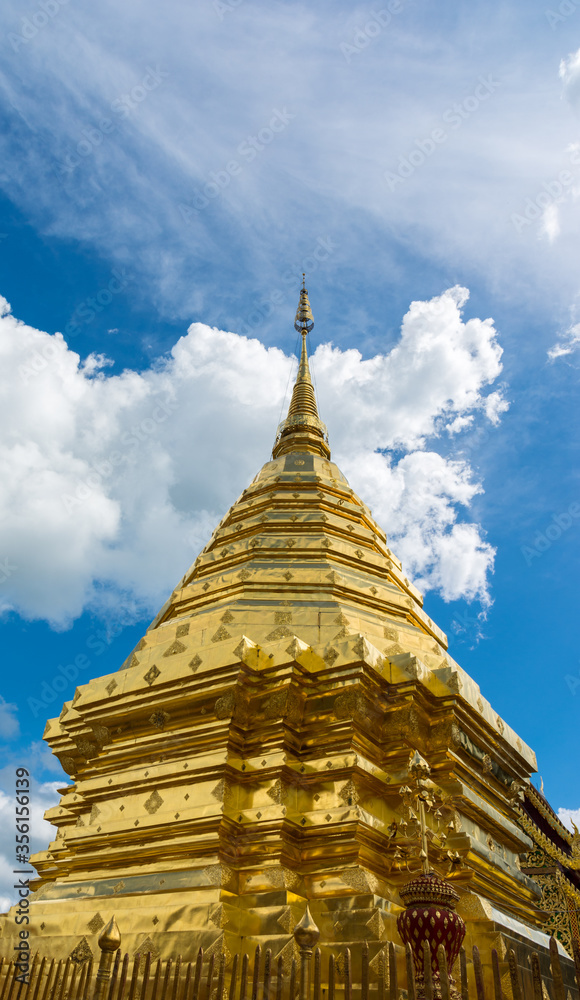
<point x="109" y="942"/>
<point x="306" y="933"/>
<point x="110" y="938"/>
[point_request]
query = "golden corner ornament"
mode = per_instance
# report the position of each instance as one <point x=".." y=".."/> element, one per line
<point x="290" y="730"/>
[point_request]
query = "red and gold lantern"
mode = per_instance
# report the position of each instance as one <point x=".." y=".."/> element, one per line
<point x="430" y="918"/>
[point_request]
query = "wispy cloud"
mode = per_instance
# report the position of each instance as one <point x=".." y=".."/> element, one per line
<point x="569" y="343"/>
<point x="101" y="128"/>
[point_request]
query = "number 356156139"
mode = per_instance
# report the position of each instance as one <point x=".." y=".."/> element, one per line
<point x="22" y="803"/>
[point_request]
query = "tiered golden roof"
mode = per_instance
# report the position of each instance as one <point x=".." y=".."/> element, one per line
<point x="250" y="754"/>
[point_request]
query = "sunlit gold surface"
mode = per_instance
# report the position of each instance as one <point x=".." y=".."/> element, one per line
<point x="249" y="754"/>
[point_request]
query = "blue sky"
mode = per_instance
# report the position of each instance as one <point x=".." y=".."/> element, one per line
<point x="167" y="171"/>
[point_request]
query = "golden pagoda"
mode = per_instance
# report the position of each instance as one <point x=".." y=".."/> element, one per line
<point x="253" y="752"/>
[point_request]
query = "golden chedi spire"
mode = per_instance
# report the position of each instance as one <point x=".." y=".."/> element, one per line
<point x="302" y="430"/>
<point x="251" y="753"/>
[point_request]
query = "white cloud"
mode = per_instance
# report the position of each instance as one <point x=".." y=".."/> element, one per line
<point x="550" y="224"/>
<point x="416" y="500"/>
<point x="569" y="817"/>
<point x="459" y="424"/>
<point x="111" y="484"/>
<point x="9" y="727"/>
<point x="436" y="372"/>
<point x="494" y="405"/>
<point x="570" y="76"/>
<point x="569" y="343"/>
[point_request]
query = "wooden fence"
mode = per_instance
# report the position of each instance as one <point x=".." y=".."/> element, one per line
<point x="263" y="978"/>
